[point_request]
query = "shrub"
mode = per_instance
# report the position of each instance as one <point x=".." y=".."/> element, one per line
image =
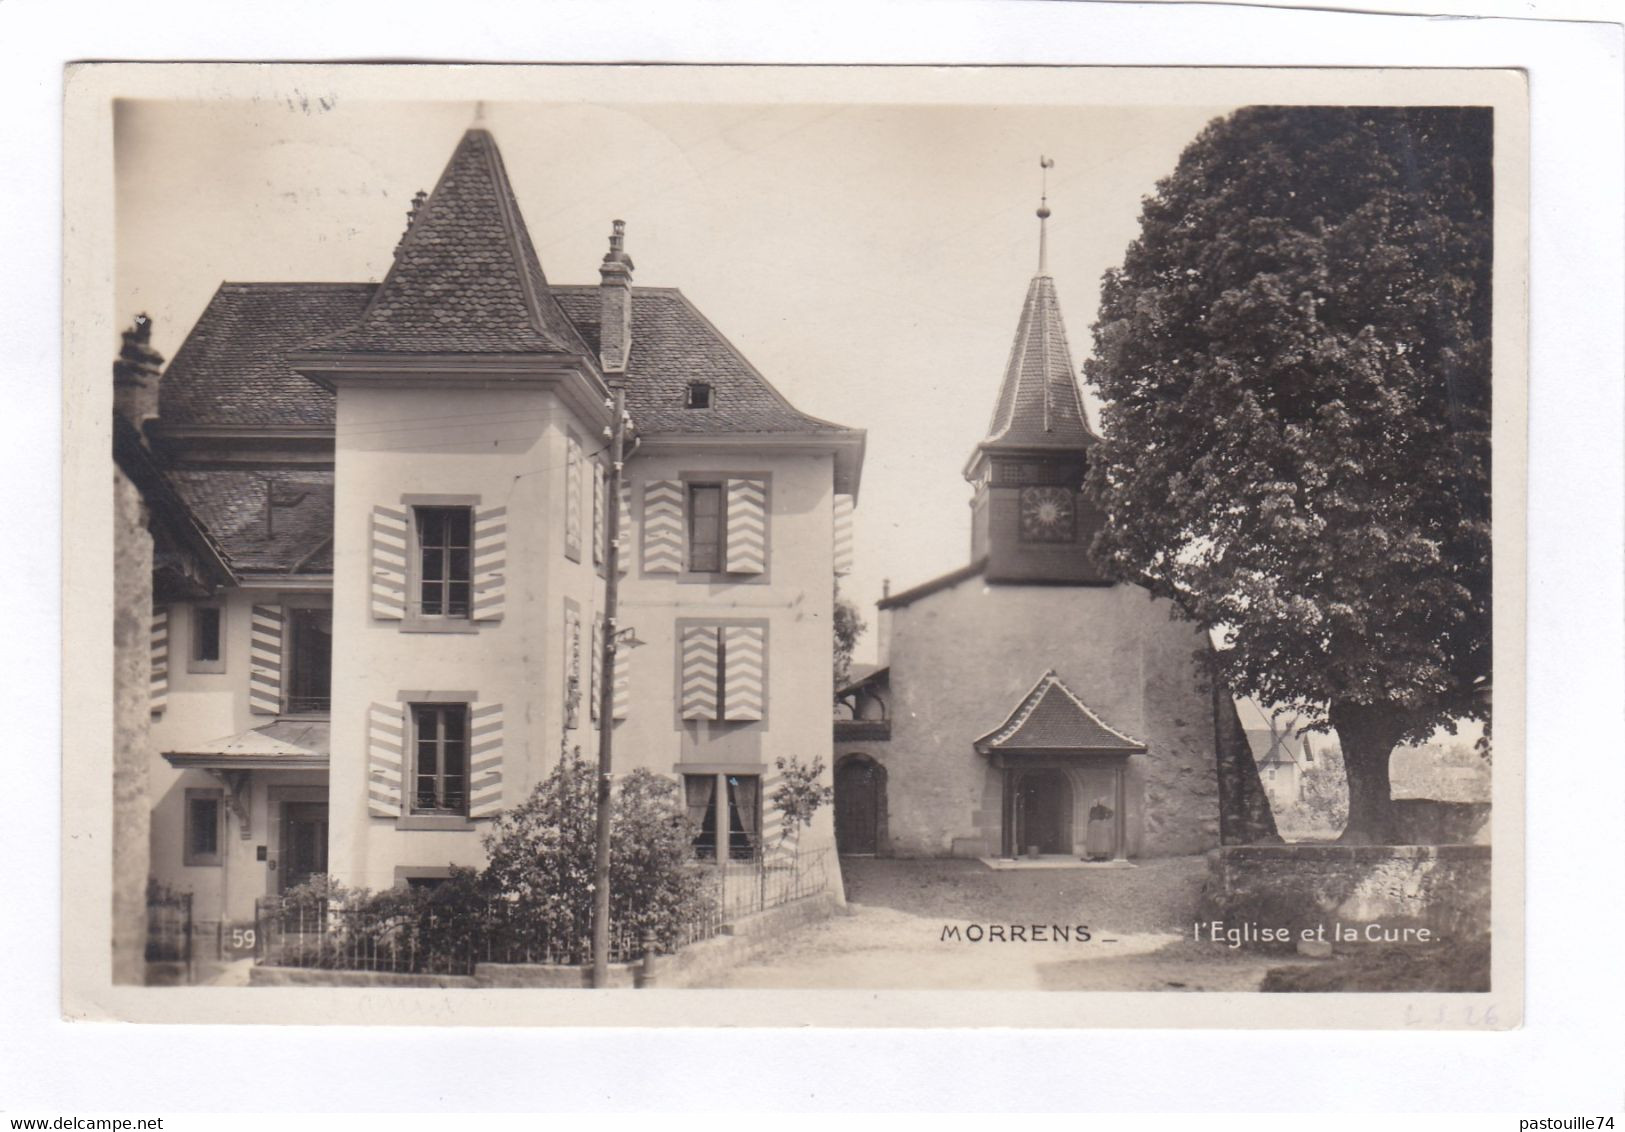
<point x="541" y="863"/>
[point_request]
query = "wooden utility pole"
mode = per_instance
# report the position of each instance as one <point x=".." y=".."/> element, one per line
<point x="606" y="689"/>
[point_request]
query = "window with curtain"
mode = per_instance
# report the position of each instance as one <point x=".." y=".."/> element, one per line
<point x="735" y="826"/>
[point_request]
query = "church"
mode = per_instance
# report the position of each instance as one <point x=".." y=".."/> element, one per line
<point x="1027" y="707"/>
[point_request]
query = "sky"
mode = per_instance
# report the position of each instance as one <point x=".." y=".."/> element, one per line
<point x="869" y="259"/>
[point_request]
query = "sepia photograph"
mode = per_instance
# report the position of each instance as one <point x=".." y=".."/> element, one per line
<point x="808" y="530"/>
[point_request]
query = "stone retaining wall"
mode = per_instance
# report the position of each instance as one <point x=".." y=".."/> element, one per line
<point x="1443" y="888"/>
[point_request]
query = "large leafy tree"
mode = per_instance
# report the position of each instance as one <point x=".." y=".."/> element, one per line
<point x="1294" y="361"/>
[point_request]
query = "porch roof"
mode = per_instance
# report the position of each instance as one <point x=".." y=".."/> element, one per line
<point x="287" y="744"/>
<point x="1050" y="719"/>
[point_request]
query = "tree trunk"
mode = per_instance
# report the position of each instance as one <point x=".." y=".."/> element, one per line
<point x="1367" y="733"/>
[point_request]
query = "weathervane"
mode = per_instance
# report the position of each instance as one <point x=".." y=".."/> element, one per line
<point x="1045" y="164"/>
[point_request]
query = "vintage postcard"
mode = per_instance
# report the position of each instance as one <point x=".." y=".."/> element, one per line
<point x="917" y="546"/>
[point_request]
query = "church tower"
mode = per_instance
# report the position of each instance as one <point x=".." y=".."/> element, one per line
<point x="1029" y="518"/>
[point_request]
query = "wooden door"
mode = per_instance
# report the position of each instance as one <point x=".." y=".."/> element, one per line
<point x="1044" y="813"/>
<point x="857" y="807"/>
<point x="304" y="842"/>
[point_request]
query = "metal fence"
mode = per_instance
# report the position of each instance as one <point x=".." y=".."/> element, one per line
<point x="170" y="929"/>
<point x="415" y="936"/>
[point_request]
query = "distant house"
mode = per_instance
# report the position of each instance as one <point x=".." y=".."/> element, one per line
<point x="1284" y="759"/>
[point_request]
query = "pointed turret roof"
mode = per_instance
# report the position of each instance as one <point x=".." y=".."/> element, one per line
<point x="466" y="278"/>
<point x="1052" y="718"/>
<point x="1039" y="405"/>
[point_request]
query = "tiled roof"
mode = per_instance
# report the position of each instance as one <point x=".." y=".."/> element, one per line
<point x="466" y="278"/>
<point x="233" y="367"/>
<point x="673" y="344"/>
<point x="231" y="504"/>
<point x="1039" y="403"/>
<point x="1051" y="718"/>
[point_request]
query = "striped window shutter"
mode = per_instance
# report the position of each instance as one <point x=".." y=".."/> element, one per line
<point x="490" y="563"/>
<point x="699" y="672"/>
<point x="485" y="766"/>
<point x="747" y="526"/>
<point x="388" y="563"/>
<point x="596" y="668"/>
<point x="158" y="687"/>
<point x="624" y="530"/>
<point x="386" y="756"/>
<point x="265" y="661"/>
<point x="599" y="487"/>
<point x="773" y="820"/>
<point x="843" y="534"/>
<point x="572" y="500"/>
<point x="621" y="705"/>
<point x="744" y="650"/>
<point x="663" y="527"/>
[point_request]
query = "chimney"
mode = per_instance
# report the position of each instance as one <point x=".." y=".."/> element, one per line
<point x="411" y="218"/>
<point x="615" y="296"/>
<point x="135" y="375"/>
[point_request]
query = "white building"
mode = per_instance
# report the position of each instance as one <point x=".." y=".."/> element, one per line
<point x="408" y="482"/>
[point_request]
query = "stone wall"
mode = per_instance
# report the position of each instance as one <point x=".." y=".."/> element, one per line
<point x="132" y="663"/>
<point x="1444" y="888"/>
<point x="963" y="657"/>
<point x="1425" y="821"/>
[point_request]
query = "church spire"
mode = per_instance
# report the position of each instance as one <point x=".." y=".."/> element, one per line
<point x="1040" y="405"/>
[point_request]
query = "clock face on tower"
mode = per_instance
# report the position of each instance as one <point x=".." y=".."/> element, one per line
<point x="1047" y="514"/>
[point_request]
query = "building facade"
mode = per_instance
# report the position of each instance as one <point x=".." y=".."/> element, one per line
<point x="1026" y="704"/>
<point x="409" y="481"/>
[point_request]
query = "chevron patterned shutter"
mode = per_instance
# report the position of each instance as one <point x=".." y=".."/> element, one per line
<point x="386" y="757"/>
<point x="490" y="565"/>
<point x="485" y="760"/>
<point x="663" y="527"/>
<point x="747" y="526"/>
<point x="744" y="651"/>
<point x="265" y="661"/>
<point x="596" y="668"/>
<point x="572" y="500"/>
<point x="843" y="534"/>
<point x="699" y="672"/>
<point x="624" y="530"/>
<point x="158" y="687"/>
<point x="622" y="703"/>
<point x="599" y="487"/>
<point x="388" y="563"/>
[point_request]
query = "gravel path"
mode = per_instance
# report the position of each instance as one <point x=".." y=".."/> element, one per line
<point x="893" y="934"/>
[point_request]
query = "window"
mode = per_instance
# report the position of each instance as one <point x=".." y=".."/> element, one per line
<point x="705" y="527"/>
<point x="310" y="661"/>
<point x="208" y="646"/>
<point x="202" y="832"/>
<point x="445" y="561"/>
<point x="740" y="814"/>
<point x="699" y="395"/>
<point x="440" y="770"/>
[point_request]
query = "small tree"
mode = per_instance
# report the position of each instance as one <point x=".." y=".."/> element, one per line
<point x="800" y="794"/>
<point x="849" y="626"/>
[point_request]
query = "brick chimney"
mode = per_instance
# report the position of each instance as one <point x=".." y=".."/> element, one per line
<point x="135" y="375"/>
<point x="615" y="297"/>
